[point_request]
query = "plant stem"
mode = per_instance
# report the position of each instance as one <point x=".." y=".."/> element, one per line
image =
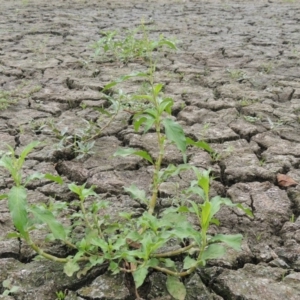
<point x="173" y="253"/>
<point x="85" y="216"/>
<point x="180" y="274"/>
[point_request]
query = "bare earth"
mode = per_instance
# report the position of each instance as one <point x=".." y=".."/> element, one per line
<point x="235" y="81"/>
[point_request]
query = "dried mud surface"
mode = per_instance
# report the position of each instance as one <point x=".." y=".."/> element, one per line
<point x="236" y="84"/>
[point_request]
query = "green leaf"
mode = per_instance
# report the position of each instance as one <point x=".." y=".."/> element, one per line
<point x="100" y="243"/>
<point x="174" y="133"/>
<point x="205" y="215"/>
<point x="232" y="240"/>
<point x="189" y="262"/>
<point x="176" y="288"/>
<point x="25" y="152"/>
<point x="47" y="217"/>
<point x="3" y="196"/>
<point x="129" y="151"/>
<point x="56" y="179"/>
<point x="139" y="276"/>
<point x="199" y="144"/>
<point x="6" y="283"/>
<point x="33" y="177"/>
<point x="71" y="267"/>
<point x="168" y="43"/>
<point x="153" y="262"/>
<point x="12" y="235"/>
<point x="166" y="105"/>
<point x="157" y="88"/>
<point x="170" y="263"/>
<point x="14" y="289"/>
<point x="18" y="207"/>
<point x="136" y="193"/>
<point x="213" y="251"/>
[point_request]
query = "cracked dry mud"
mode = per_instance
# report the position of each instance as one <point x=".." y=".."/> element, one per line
<point x="236" y="84"/>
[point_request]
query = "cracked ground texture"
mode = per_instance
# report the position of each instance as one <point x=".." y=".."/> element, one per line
<point x="235" y="81"/>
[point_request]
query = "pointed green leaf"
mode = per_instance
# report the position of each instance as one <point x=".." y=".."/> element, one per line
<point x="129" y="151"/>
<point x="47" y="217"/>
<point x="157" y="88"/>
<point x="136" y="193"/>
<point x="26" y="151"/>
<point x="176" y="288"/>
<point x="199" y="144"/>
<point x="166" y="105"/>
<point x="205" y="215"/>
<point x="18" y="207"/>
<point x="232" y="240"/>
<point x="139" y="276"/>
<point x="56" y="179"/>
<point x="174" y="133"/>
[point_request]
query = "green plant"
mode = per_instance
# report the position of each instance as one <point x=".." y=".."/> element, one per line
<point x="237" y="75"/>
<point x="275" y="125"/>
<point x="292" y="218"/>
<point x="266" y="68"/>
<point x="245" y="101"/>
<point x="262" y="162"/>
<point x="60" y="295"/>
<point x="129" y="47"/>
<point x="6" y="99"/>
<point x="252" y="119"/>
<point x="9" y="288"/>
<point x="133" y="245"/>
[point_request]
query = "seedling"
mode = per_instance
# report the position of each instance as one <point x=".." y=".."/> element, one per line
<point x="9" y="288"/>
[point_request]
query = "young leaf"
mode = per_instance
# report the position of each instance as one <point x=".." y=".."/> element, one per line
<point x="232" y="240"/>
<point x="157" y="88"/>
<point x="129" y="151"/>
<point x="139" y="276"/>
<point x="25" y="152"/>
<point x="176" y="288"/>
<point x="47" y="217"/>
<point x="166" y="105"/>
<point x="205" y="215"/>
<point x="174" y="133"/>
<point x="136" y="193"/>
<point x="199" y="144"/>
<point x="56" y="179"/>
<point x="71" y="267"/>
<point x="18" y="207"/>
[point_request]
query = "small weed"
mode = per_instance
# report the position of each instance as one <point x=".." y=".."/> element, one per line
<point x="246" y="101"/>
<point x="237" y="75"/>
<point x="258" y="237"/>
<point x="262" y="162"/>
<point x="292" y="218"/>
<point x="275" y="125"/>
<point x="130" y="47"/>
<point x="60" y="295"/>
<point x="266" y="68"/>
<point x="6" y="99"/>
<point x="9" y="288"/>
<point x="252" y="119"/>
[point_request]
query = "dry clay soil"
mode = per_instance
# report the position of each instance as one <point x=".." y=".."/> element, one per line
<point x="235" y="81"/>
